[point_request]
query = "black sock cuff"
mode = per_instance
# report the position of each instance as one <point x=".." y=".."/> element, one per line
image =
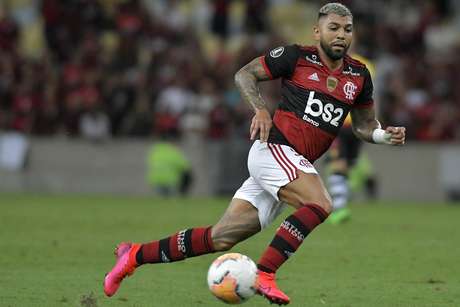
<point x="139" y="256"/>
<point x="264" y="269"/>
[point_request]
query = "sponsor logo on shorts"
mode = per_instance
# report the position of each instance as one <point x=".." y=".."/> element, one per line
<point x="293" y="231"/>
<point x="305" y="162"/>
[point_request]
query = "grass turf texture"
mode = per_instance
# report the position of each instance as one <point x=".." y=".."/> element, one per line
<point x="56" y="249"/>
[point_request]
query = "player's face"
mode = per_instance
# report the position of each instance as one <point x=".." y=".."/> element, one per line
<point x="334" y="34"/>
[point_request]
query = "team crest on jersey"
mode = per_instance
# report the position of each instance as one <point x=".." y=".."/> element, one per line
<point x="277" y="52"/>
<point x="331" y="83"/>
<point x="350" y="90"/>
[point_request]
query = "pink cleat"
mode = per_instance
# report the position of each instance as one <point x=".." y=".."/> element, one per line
<point x="125" y="266"/>
<point x="266" y="286"/>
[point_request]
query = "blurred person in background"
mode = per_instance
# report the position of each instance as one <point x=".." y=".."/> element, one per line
<point x="9" y="31"/>
<point x="19" y="98"/>
<point x="256" y="16"/>
<point x="94" y="124"/>
<point x="347" y="165"/>
<point x="220" y="18"/>
<point x="168" y="170"/>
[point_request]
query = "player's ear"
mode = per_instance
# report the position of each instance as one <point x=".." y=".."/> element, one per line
<point x="316" y="32"/>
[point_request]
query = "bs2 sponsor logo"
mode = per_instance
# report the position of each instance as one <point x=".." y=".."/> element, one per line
<point x="315" y="109"/>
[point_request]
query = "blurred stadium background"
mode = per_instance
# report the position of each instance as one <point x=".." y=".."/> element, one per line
<point x="87" y="86"/>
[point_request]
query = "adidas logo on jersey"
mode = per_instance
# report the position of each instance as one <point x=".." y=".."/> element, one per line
<point x="314" y="77"/>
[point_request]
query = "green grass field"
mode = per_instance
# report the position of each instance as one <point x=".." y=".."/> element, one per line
<point x="54" y="251"/>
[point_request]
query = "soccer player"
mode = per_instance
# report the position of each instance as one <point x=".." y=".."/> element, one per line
<point x="320" y="85"/>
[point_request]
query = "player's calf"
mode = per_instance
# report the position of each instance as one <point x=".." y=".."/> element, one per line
<point x="290" y="236"/>
<point x="313" y="205"/>
<point x="183" y="244"/>
<point x="287" y="240"/>
<point x="224" y="237"/>
<point x="238" y="223"/>
<point x="223" y="245"/>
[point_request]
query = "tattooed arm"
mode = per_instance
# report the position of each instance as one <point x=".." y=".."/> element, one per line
<point x="364" y="123"/>
<point x="246" y="80"/>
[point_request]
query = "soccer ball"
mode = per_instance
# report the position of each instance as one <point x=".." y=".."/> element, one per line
<point x="232" y="278"/>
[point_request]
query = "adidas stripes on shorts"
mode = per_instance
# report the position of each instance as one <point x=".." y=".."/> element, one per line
<point x="271" y="166"/>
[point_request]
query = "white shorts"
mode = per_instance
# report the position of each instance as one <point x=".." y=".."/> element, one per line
<point x="271" y="166"/>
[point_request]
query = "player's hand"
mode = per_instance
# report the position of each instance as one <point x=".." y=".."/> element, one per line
<point x="396" y="135"/>
<point x="261" y="123"/>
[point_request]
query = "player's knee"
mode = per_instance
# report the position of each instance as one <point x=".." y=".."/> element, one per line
<point x="299" y="200"/>
<point x="326" y="204"/>
<point x="324" y="201"/>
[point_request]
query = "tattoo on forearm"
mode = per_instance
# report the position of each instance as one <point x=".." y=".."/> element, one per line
<point x="246" y="80"/>
<point x="364" y="123"/>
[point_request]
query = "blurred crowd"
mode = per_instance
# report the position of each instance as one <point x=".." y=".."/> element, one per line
<point x="102" y="69"/>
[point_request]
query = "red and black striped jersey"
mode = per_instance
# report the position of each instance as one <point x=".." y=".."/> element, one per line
<point x="315" y="100"/>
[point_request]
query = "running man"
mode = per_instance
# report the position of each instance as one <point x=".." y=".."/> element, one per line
<point x="320" y="86"/>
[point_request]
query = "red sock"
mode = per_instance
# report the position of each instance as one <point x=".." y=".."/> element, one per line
<point x="186" y="243"/>
<point x="290" y="235"/>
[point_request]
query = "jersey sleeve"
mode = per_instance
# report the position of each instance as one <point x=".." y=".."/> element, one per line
<point x="281" y="61"/>
<point x="365" y="97"/>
